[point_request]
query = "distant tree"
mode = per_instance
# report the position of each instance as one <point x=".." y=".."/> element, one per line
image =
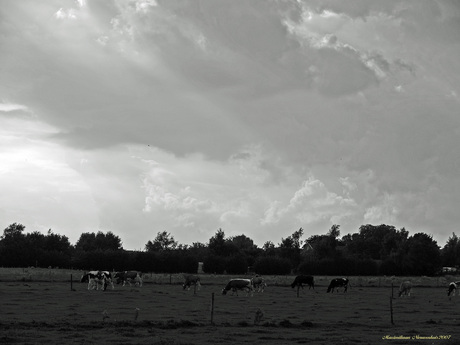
<point x="290" y="247"/>
<point x="220" y="246"/>
<point x="269" y="248"/>
<point x="198" y="250"/>
<point x="423" y="255"/>
<point x="14" y="230"/>
<point x="334" y="231"/>
<point x="246" y="246"/>
<point x="450" y="254"/>
<point x="163" y="241"/>
<point x="100" y="241"/>
<point x="55" y="242"/>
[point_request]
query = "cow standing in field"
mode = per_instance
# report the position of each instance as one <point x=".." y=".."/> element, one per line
<point x="191" y="280"/>
<point x="96" y="278"/>
<point x="302" y="279"/>
<point x="128" y="277"/>
<point x="336" y="283"/>
<point x="238" y="284"/>
<point x="452" y="288"/>
<point x="405" y="288"/>
<point x="258" y="283"/>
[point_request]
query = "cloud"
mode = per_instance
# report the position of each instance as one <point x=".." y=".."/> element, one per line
<point x="258" y="116"/>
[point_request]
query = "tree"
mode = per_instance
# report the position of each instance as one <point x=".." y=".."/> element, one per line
<point x="100" y="241"/>
<point x="163" y="241"/>
<point x="246" y="246"/>
<point x="334" y="232"/>
<point x="423" y="255"/>
<point x="14" y="230"/>
<point x="219" y="246"/>
<point x="451" y="252"/>
<point x="290" y="247"/>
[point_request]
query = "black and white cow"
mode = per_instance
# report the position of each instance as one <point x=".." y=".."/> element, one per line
<point x="238" y="284"/>
<point x="96" y="278"/>
<point x="128" y="277"/>
<point x="302" y="279"/>
<point x="336" y="283"/>
<point x="405" y="288"/>
<point x="452" y="288"/>
<point x="258" y="283"/>
<point x="191" y="280"/>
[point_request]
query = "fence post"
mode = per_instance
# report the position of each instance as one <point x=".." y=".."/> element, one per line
<point x="212" y="308"/>
<point x="391" y="310"/>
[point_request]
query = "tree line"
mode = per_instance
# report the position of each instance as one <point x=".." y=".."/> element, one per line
<point x="373" y="250"/>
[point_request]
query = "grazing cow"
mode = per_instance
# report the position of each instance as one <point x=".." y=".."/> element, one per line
<point x="107" y="279"/>
<point x="258" y="283"/>
<point x="238" y="284"/>
<point x="96" y="278"/>
<point x="336" y="283"/>
<point x="452" y="288"/>
<point x="300" y="280"/>
<point x="405" y="288"/>
<point x="128" y="277"/>
<point x="191" y="280"/>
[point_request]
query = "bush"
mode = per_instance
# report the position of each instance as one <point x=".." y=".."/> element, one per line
<point x="272" y="265"/>
<point x="236" y="264"/>
<point x="214" y="264"/>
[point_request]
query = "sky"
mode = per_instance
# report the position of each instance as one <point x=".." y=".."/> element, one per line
<point x="255" y="117"/>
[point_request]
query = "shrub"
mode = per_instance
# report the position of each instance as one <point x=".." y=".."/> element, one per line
<point x="272" y="265"/>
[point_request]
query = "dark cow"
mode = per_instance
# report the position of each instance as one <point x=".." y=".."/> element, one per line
<point x="405" y="288"/>
<point x="238" y="284"/>
<point x="452" y="288"/>
<point x="336" y="283"/>
<point x="96" y="278"/>
<point x="258" y="283"/>
<point x="307" y="280"/>
<point x="191" y="280"/>
<point x="128" y="277"/>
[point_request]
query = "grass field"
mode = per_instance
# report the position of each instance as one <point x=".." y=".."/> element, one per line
<point x="49" y="312"/>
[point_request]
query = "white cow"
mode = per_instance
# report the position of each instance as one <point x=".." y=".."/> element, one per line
<point x="96" y="278"/>
<point x="238" y="284"/>
<point x="405" y="288"/>
<point x="452" y="288"/>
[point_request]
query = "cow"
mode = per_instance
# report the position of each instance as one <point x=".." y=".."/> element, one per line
<point x="300" y="280"/>
<point x="258" y="283"/>
<point x="238" y="284"/>
<point x="96" y="278"/>
<point x="128" y="277"/>
<point x="107" y="278"/>
<point x="191" y="280"/>
<point x="452" y="288"/>
<point x="405" y="288"/>
<point x="336" y="283"/>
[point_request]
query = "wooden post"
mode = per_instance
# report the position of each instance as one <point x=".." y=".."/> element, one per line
<point x="212" y="308"/>
<point x="391" y="310"/>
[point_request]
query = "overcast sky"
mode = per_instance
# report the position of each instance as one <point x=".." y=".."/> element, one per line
<point x="258" y="117"/>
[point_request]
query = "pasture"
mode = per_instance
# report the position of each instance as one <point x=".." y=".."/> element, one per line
<point x="43" y="311"/>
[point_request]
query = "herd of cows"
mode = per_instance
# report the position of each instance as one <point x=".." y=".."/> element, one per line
<point x="102" y="279"/>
